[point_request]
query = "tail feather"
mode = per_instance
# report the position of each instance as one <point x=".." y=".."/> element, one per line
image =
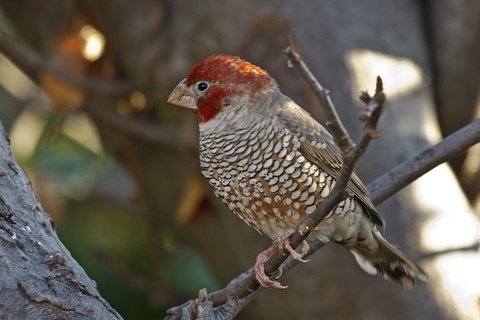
<point x="390" y="262"/>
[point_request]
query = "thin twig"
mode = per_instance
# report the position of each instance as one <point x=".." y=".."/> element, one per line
<point x="333" y="120"/>
<point x="475" y="247"/>
<point x="349" y="160"/>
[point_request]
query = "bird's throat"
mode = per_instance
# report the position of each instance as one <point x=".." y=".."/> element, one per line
<point x="211" y="104"/>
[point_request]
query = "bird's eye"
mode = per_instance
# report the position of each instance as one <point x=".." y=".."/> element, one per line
<point x="202" y="86"/>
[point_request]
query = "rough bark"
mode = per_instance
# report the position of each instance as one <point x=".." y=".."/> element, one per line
<point x="39" y="279"/>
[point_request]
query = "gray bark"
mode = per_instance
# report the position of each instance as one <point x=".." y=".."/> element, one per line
<point x="39" y="279"/>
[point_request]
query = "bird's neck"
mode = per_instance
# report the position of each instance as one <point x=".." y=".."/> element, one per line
<point x="228" y="121"/>
<point x="242" y="115"/>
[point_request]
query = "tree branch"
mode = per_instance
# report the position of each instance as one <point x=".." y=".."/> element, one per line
<point x="474" y="247"/>
<point x="30" y="62"/>
<point x="411" y="169"/>
<point x="333" y="120"/>
<point x="33" y="64"/>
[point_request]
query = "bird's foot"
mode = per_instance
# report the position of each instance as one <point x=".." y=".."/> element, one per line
<point x="281" y="244"/>
<point x="259" y="269"/>
<point x="284" y="245"/>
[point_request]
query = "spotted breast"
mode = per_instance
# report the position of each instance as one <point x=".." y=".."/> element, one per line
<point x="259" y="172"/>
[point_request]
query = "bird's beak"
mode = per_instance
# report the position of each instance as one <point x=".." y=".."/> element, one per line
<point x="182" y="96"/>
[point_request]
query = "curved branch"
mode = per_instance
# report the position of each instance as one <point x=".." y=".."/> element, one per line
<point x="333" y="120"/>
<point x="411" y="169"/>
<point x="30" y="62"/>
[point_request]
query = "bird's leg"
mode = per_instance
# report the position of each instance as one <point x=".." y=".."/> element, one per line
<point x="259" y="269"/>
<point x="282" y="244"/>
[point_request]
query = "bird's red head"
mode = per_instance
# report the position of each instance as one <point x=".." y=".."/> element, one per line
<point x="225" y="69"/>
<point x="216" y="81"/>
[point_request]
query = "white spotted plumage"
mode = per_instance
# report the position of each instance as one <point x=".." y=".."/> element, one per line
<point x="270" y="166"/>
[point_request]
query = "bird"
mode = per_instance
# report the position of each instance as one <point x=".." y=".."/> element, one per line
<point x="272" y="164"/>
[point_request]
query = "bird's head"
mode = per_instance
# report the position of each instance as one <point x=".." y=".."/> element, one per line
<point x="222" y="83"/>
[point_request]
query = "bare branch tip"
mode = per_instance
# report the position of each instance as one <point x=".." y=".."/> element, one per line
<point x="379" y="86"/>
<point x="291" y="42"/>
<point x="380" y="97"/>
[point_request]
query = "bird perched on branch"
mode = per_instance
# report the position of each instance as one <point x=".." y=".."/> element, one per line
<point x="271" y="163"/>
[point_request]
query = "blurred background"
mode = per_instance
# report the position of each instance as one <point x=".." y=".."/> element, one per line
<point x="83" y="89"/>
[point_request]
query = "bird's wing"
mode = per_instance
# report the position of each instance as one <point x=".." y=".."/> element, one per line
<point x="320" y="148"/>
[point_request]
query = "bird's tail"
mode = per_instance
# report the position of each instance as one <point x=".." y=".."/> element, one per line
<point x="390" y="262"/>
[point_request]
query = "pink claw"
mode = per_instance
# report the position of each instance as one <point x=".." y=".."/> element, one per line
<point x="282" y="243"/>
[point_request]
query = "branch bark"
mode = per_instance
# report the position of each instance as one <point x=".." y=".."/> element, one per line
<point x="44" y="281"/>
<point x="413" y="168"/>
<point x="333" y="120"/>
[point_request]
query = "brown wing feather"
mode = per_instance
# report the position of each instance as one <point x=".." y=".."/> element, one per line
<point x="323" y="152"/>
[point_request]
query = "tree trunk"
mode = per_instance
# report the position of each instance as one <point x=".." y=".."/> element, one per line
<point x="39" y="279"/>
